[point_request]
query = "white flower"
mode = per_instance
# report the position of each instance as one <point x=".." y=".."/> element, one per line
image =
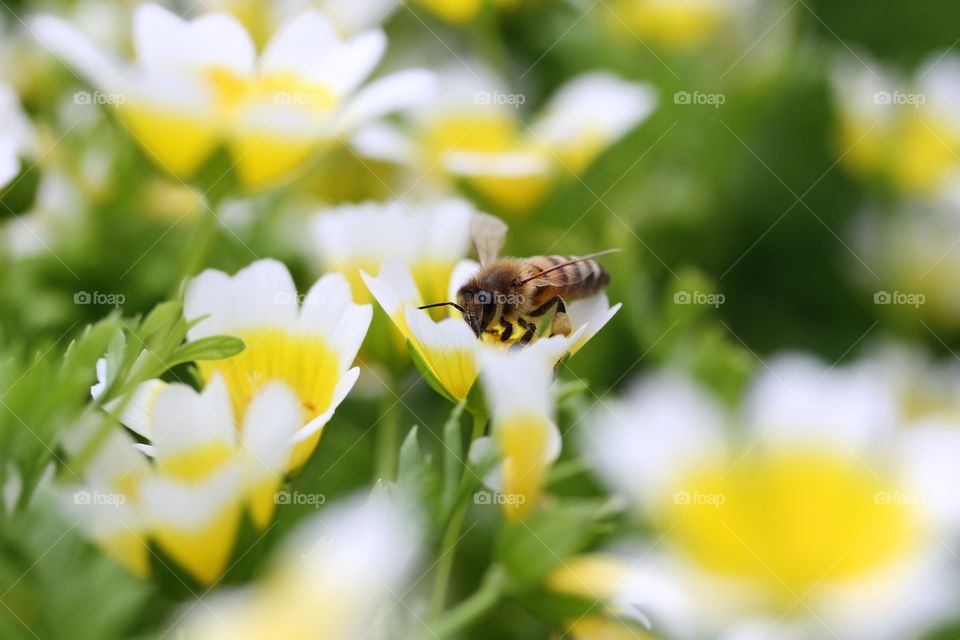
<point x="823" y="513"/>
<point x="200" y="84"/>
<point x="430" y="237"/>
<point x="337" y="579"/>
<point x="310" y="346"/>
<point x="473" y="131"/>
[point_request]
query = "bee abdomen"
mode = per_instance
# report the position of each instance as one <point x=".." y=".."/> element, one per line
<point x="577" y="280"/>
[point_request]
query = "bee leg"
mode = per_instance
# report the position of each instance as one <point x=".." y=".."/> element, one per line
<point x="507" y="330"/>
<point x="530" y="330"/>
<point x="542" y="309"/>
<point x="561" y="321"/>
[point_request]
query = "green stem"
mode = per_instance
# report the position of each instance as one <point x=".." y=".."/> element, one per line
<point x="200" y="242"/>
<point x="441" y="580"/>
<point x="387" y="431"/>
<point x="473" y="608"/>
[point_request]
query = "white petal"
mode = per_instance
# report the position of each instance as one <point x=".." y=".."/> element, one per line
<point x="259" y="296"/>
<point x="301" y="46"/>
<point x="9" y="164"/>
<point x="594" y="104"/>
<point x="190" y="505"/>
<point x="136" y="412"/>
<point x="350" y="63"/>
<point x="101" y="368"/>
<point x="329" y="311"/>
<point x="507" y="164"/>
<point x="272" y="418"/>
<point x="115" y="457"/>
<point x="643" y="444"/>
<point x="394" y="287"/>
<point x="351" y="17"/>
<point x="517" y="381"/>
<point x="593" y="313"/>
<point x="900" y="601"/>
<point x="165" y="42"/>
<point x="481" y="450"/>
<point x="347" y="380"/>
<point x="800" y="399"/>
<point x="384" y="141"/>
<point x="463" y="271"/>
<point x="391" y="93"/>
<point x="928" y="456"/>
<point x="68" y="44"/>
<point x="185" y="419"/>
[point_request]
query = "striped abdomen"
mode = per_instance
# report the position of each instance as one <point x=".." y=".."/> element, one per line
<point x="574" y="281"/>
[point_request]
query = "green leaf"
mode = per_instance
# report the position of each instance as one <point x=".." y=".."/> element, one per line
<point x="209" y="348"/>
<point x="162" y="318"/>
<point x="533" y="547"/>
<point x="427" y="372"/>
<point x="411" y="459"/>
<point x="476" y="401"/>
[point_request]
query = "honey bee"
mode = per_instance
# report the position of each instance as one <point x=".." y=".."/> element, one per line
<point x="507" y="293"/>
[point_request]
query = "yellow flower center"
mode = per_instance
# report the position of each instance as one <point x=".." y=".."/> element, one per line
<point x="790" y="520"/>
<point x="306" y="363"/>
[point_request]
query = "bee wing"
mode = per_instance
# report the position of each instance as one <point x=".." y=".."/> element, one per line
<point x="489" y="234"/>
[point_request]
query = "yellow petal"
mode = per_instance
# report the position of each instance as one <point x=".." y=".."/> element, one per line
<point x="262" y="160"/>
<point x="129" y="549"/>
<point x="178" y="143"/>
<point x="204" y="552"/>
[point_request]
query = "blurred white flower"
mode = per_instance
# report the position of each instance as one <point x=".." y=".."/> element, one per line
<point x="905" y="131"/>
<point x="430" y="237"/>
<point x="518" y="388"/>
<point x="205" y="467"/>
<point x="338" y="580"/>
<point x="17" y="135"/>
<point x="347" y="17"/>
<point x="200" y="84"/>
<point x="822" y="512"/>
<point x="472" y="131"/>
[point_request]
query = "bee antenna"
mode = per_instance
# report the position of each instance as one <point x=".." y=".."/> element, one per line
<point x="443" y="304"/>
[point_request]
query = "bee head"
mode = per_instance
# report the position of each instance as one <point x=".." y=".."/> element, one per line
<point x="479" y="307"/>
